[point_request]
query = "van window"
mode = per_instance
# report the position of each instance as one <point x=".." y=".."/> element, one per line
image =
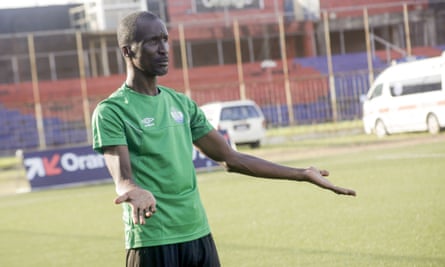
<point x="416" y="86"/>
<point x="377" y="91"/>
<point x="239" y="113"/>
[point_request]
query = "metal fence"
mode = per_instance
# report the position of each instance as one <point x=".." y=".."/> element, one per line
<point x="51" y="82"/>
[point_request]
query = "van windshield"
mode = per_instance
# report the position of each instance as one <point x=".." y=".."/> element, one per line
<point x="377" y="91"/>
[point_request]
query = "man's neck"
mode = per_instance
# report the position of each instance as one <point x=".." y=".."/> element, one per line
<point x="146" y="86"/>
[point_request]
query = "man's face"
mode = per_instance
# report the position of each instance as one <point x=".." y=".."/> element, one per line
<point x="151" y="50"/>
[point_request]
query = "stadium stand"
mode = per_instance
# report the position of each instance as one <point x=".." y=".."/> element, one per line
<point x="309" y="83"/>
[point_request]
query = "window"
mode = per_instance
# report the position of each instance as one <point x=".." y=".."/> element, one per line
<point x="239" y="113"/>
<point x="204" y="53"/>
<point x="416" y="86"/>
<point x="159" y="7"/>
<point x="214" y="6"/>
<point x="377" y="91"/>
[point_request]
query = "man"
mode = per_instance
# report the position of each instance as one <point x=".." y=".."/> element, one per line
<point x="146" y="133"/>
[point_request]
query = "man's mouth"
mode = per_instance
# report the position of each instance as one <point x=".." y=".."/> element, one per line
<point x="163" y="62"/>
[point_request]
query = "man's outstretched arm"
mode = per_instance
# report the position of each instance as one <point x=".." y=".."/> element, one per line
<point x="216" y="148"/>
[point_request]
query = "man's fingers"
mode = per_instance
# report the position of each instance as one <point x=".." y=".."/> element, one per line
<point x="121" y="199"/>
<point x="148" y="214"/>
<point x="136" y="217"/>
<point x="142" y="203"/>
<point x="350" y="192"/>
<point x="324" y="172"/>
<point x="345" y="191"/>
<point x="152" y="208"/>
<point x="141" y="215"/>
<point x="150" y="211"/>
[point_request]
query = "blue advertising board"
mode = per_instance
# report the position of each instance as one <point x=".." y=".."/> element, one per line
<point x="78" y="165"/>
<point x="61" y="167"/>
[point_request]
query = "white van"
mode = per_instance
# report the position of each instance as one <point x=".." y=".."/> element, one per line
<point x="242" y="119"/>
<point x="407" y="97"/>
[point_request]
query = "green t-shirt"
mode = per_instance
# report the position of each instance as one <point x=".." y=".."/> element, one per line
<point x="158" y="131"/>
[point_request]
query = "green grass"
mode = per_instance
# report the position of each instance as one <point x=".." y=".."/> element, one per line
<point x="397" y="219"/>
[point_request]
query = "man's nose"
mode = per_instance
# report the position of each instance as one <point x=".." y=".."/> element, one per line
<point x="163" y="47"/>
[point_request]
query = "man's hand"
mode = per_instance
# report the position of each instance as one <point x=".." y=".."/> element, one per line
<point x="317" y="177"/>
<point x="142" y="202"/>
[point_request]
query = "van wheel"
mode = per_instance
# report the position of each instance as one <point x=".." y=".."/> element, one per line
<point x="433" y="124"/>
<point x="255" y="144"/>
<point x="380" y="129"/>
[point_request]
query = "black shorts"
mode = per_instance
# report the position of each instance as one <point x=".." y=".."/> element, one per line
<point x="196" y="253"/>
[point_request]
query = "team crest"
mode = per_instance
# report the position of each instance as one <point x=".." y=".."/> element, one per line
<point x="177" y="115"/>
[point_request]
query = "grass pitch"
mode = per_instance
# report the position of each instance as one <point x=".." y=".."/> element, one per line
<point x="397" y="219"/>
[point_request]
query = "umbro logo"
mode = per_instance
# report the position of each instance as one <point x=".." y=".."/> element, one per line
<point x="148" y="122"/>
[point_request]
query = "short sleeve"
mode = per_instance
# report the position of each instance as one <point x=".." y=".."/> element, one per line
<point x="199" y="124"/>
<point x="107" y="128"/>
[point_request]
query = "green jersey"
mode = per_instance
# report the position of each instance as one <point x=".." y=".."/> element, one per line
<point x="158" y="131"/>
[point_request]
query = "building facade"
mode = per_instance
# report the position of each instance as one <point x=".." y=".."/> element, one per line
<point x="208" y="30"/>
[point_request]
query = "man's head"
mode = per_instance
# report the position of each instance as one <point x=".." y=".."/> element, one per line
<point x="143" y="40"/>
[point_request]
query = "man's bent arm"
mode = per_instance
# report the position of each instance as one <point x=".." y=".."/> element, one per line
<point x="143" y="203"/>
<point x="117" y="160"/>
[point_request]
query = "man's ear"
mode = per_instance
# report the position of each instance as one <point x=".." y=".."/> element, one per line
<point x="126" y="51"/>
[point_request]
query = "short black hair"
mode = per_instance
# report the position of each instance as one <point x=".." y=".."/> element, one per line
<point x="128" y="26"/>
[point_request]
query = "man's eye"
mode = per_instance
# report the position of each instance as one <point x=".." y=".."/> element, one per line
<point x="153" y="42"/>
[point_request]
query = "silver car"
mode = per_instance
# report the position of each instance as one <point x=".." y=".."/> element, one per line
<point x="242" y="119"/>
